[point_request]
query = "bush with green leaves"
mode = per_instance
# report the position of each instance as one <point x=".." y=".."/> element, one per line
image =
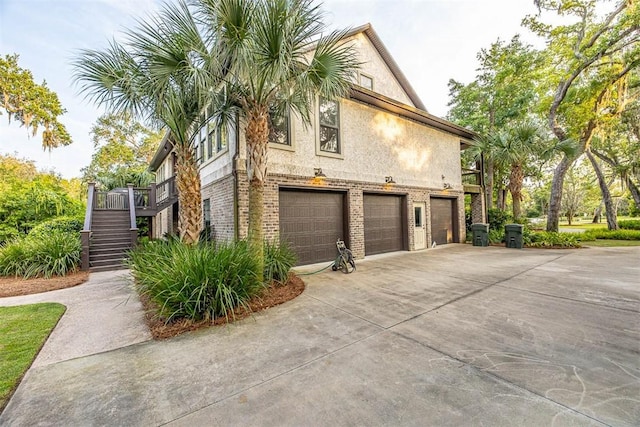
<point x="546" y="239"/>
<point x="603" y="233"/>
<point x="496" y="236"/>
<point x="629" y="224"/>
<point x="65" y="224"/>
<point x="56" y="254"/>
<point x="498" y="218"/>
<point x="198" y="282"/>
<point x="278" y="260"/>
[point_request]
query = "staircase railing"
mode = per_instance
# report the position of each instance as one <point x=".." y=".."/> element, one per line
<point x="166" y="193"/>
<point x="85" y="234"/>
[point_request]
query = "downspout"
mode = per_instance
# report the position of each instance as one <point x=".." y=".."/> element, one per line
<point x="234" y="173"/>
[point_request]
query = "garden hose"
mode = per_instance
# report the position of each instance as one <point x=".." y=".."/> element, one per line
<point x="315" y="272"/>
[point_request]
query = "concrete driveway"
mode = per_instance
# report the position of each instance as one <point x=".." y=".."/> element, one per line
<point x="456" y="335"/>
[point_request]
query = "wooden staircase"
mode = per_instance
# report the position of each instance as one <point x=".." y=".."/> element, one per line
<point x="110" y="228"/>
<point x="110" y="240"/>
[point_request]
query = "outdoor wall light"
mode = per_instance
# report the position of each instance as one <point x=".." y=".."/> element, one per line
<point x="389" y="180"/>
<point x="317" y="172"/>
<point x="447" y="186"/>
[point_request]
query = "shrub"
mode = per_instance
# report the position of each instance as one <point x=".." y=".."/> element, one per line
<point x="56" y="255"/>
<point x="603" y="233"/>
<point x="629" y="224"/>
<point x="496" y="236"/>
<point x="197" y="282"/>
<point x="278" y="260"/>
<point x="65" y="224"/>
<point x="545" y="239"/>
<point x="498" y="218"/>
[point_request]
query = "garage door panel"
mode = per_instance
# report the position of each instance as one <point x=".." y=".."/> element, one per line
<point x="442" y="221"/>
<point x="311" y="221"/>
<point x="383" y="220"/>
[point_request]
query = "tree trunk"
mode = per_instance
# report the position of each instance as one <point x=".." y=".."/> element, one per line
<point x="516" y="177"/>
<point x="597" y="214"/>
<point x="555" y="199"/>
<point x="189" y="197"/>
<point x="635" y="192"/>
<point x="489" y="184"/>
<point x="501" y="203"/>
<point x="257" y="134"/>
<point x="609" y="208"/>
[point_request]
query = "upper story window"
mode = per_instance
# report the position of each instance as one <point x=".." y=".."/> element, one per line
<point x="209" y="140"/>
<point x="280" y="131"/>
<point x="329" y="126"/>
<point x="366" y="81"/>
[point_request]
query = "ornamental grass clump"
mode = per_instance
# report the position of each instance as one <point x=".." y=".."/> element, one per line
<point x="197" y="282"/>
<point x="56" y="254"/>
<point x="278" y="260"/>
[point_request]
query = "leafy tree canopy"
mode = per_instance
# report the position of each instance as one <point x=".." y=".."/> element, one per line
<point x="33" y="105"/>
<point x="123" y="149"/>
<point x="29" y="197"/>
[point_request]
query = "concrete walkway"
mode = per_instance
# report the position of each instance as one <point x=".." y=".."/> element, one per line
<point x="456" y="335"/>
<point x="102" y="314"/>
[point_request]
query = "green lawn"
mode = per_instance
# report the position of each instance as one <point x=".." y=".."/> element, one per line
<point x="587" y="224"/>
<point x="23" y="331"/>
<point x="610" y="243"/>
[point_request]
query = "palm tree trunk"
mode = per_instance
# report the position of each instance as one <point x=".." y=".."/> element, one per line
<point x="516" y="177"/>
<point x="489" y="184"/>
<point x="189" y="196"/>
<point x="257" y="134"/>
<point x="609" y="208"/>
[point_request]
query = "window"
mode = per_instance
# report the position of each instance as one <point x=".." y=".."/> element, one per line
<point x="206" y="219"/>
<point x="329" y="126"/>
<point x="206" y="213"/>
<point x="366" y="81"/>
<point x="280" y="130"/>
<point x="417" y="214"/>
<point x="223" y="139"/>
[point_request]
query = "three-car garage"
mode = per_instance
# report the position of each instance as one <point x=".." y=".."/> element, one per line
<point x="312" y="220"/>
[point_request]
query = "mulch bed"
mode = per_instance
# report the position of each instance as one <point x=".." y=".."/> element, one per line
<point x="273" y="295"/>
<point x="16" y="286"/>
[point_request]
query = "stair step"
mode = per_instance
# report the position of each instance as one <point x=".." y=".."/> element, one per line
<point x="111" y="240"/>
<point x="116" y="251"/>
<point x="107" y="261"/>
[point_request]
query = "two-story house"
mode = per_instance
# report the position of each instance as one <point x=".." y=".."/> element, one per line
<point x="374" y="168"/>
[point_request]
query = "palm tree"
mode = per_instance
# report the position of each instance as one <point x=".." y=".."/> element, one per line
<point x="273" y="58"/>
<point x="512" y="147"/>
<point x="162" y="73"/>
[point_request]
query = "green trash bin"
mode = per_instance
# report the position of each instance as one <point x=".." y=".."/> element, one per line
<point x="513" y="236"/>
<point x="480" y="234"/>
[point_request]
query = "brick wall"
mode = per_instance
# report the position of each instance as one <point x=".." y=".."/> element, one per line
<point x="355" y="191"/>
<point x="220" y="194"/>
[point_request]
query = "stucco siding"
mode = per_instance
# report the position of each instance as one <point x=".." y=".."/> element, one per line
<point x="384" y="82"/>
<point x="376" y="144"/>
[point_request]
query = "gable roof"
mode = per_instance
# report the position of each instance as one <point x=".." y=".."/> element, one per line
<point x="368" y="31"/>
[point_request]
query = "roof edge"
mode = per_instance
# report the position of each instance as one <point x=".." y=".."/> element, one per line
<point x="164" y="148"/>
<point x="407" y="111"/>
<point x="377" y="43"/>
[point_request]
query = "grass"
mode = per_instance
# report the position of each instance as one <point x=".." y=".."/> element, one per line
<point x="606" y="243"/>
<point x="23" y="331"/>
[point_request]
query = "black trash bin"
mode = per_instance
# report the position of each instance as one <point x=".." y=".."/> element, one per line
<point x="513" y="236"/>
<point x="480" y="234"/>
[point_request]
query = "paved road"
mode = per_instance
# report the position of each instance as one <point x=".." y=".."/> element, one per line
<point x="456" y="335"/>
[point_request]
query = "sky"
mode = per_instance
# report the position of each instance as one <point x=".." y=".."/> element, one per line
<point x="431" y="40"/>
